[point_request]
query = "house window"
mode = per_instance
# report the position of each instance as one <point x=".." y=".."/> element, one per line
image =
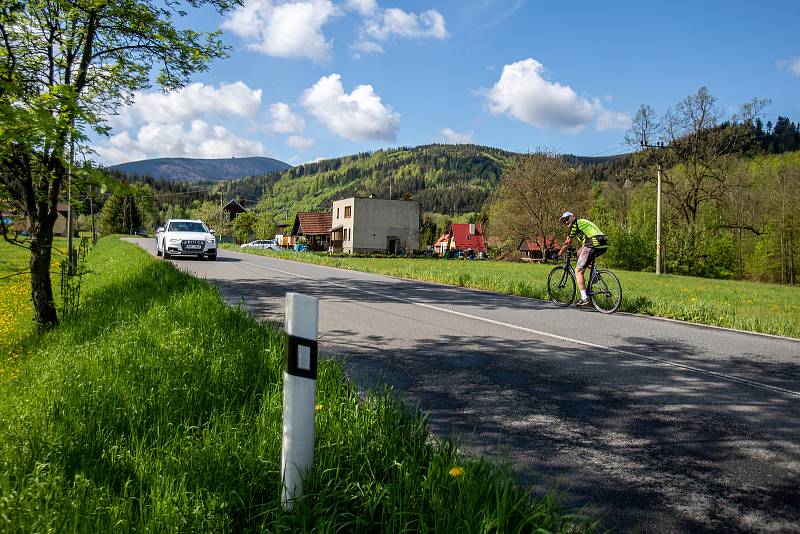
<point x="337" y="213"/>
<point x="347" y="212"/>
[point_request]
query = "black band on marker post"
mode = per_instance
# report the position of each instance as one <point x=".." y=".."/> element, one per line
<point x="294" y="346"/>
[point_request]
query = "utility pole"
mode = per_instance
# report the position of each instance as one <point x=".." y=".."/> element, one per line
<point x="660" y="145"/>
<point x="658" y="223"/>
<point x="71" y="260"/>
<point x="91" y="209"/>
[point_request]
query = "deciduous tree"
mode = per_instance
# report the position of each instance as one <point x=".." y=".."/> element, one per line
<point x="533" y="193"/>
<point x="64" y="65"/>
<point x="701" y="143"/>
<point x="244" y="225"/>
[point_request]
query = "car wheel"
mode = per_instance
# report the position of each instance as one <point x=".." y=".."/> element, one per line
<point x="212" y="257"/>
<point x="165" y="253"/>
<point x="158" y="250"/>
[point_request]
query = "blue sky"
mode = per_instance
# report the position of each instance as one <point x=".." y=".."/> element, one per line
<point x="311" y="79"/>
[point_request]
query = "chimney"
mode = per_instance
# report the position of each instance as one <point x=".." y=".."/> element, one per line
<point x="471" y="229"/>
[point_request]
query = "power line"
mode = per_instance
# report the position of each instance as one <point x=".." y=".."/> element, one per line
<point x="181" y="193"/>
<point x="608" y="150"/>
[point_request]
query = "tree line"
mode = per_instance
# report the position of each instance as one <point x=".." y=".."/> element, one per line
<point x="730" y="189"/>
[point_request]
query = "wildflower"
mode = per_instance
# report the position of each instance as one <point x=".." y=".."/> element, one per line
<point x="456" y="471"/>
<point x="318" y="408"/>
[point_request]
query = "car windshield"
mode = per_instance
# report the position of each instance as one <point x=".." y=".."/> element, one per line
<point x="187" y="226"/>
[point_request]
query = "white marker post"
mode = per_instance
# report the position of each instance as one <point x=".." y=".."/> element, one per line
<point x="299" y="394"/>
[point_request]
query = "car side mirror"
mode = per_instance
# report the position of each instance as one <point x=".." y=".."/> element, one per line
<point x="159" y="229"/>
<point x="213" y="231"/>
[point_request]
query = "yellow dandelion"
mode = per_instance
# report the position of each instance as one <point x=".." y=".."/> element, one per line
<point x="456" y="471"/>
<point x="318" y="408"/>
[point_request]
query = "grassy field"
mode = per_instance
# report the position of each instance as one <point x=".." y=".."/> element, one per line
<point x="158" y="408"/>
<point x="767" y="308"/>
<point x="16" y="311"/>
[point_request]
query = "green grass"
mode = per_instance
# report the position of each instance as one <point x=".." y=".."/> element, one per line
<point x="755" y="307"/>
<point x="16" y="309"/>
<point x="158" y="408"/>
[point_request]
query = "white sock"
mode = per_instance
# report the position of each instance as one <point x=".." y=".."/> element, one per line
<point x="583" y="294"/>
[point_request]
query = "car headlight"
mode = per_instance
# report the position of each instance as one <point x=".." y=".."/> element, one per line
<point x="211" y="240"/>
<point x="174" y="240"/>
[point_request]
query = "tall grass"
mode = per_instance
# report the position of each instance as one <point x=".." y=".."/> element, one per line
<point x="751" y="306"/>
<point x="158" y="408"/>
<point x="16" y="308"/>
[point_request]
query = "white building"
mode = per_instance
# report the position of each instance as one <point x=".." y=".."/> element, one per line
<point x="363" y="225"/>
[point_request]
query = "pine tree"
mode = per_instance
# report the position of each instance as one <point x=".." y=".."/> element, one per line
<point x="120" y="215"/>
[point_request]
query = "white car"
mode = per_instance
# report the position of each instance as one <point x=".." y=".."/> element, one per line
<point x="186" y="237"/>
<point x="263" y="244"/>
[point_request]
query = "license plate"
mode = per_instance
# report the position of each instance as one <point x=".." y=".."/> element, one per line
<point x="194" y="247"/>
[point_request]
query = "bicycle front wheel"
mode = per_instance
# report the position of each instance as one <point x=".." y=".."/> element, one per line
<point x="561" y="286"/>
<point x="605" y="292"/>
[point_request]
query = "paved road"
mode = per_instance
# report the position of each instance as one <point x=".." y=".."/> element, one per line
<point x="657" y="426"/>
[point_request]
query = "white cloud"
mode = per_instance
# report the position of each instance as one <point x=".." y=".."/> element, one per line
<point x="299" y="143"/>
<point x="364" y="7"/>
<point x="523" y="93"/>
<point x="409" y="25"/>
<point x="283" y="120"/>
<point x="452" y="136"/>
<point x="190" y="102"/>
<point x="792" y="65"/>
<point x="201" y="140"/>
<point x="357" y="116"/>
<point x="366" y="47"/>
<point x="284" y="29"/>
<point x="612" y="120"/>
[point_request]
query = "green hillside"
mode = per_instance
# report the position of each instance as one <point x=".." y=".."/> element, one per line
<point x="442" y="178"/>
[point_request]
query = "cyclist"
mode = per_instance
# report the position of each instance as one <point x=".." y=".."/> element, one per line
<point x="593" y="244"/>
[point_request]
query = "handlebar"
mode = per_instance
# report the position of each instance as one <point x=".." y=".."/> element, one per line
<point x="571" y="253"/>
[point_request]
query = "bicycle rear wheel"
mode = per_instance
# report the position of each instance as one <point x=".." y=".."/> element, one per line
<point x="561" y="286"/>
<point x="605" y="292"/>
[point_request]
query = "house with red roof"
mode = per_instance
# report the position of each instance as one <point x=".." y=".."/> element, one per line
<point x="463" y="237"/>
<point x="315" y="227"/>
<point x="441" y="246"/>
<point x="531" y="249"/>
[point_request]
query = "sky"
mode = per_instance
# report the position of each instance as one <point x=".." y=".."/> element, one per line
<point x="314" y="79"/>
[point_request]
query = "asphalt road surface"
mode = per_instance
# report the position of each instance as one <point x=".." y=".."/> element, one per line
<point x="653" y="425"/>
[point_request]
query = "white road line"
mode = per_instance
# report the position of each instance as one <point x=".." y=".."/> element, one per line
<point x="551" y="336"/>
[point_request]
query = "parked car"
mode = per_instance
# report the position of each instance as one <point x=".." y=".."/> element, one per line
<point x="186" y="237"/>
<point x="263" y="244"/>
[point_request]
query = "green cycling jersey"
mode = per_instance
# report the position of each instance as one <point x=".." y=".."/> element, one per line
<point x="587" y="233"/>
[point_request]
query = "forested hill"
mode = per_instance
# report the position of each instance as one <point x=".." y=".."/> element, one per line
<point x="200" y="170"/>
<point x="442" y="178"/>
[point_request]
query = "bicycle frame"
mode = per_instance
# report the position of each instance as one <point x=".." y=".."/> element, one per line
<point x="568" y="265"/>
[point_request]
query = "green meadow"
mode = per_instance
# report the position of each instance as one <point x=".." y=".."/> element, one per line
<point x="751" y="306"/>
<point x="16" y="309"/>
<point x="158" y="408"/>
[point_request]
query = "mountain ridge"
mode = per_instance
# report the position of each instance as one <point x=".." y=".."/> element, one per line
<point x="201" y="170"/>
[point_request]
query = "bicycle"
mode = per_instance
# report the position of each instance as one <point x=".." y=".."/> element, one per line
<point x="603" y="288"/>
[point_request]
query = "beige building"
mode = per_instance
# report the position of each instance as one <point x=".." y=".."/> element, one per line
<point x="362" y="225"/>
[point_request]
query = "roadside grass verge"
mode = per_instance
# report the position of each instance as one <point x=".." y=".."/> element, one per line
<point x="158" y="408"/>
<point x="751" y="306"/>
<point x="16" y="308"/>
